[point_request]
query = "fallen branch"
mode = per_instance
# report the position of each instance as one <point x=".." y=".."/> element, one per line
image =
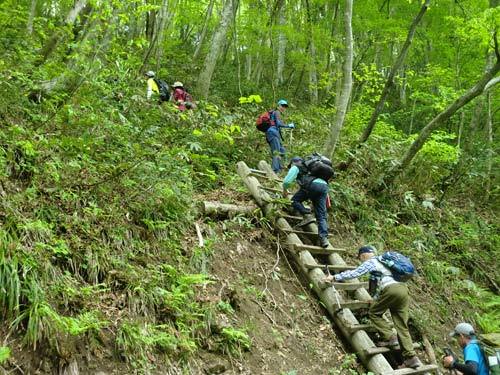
<point x="218" y="209"/>
<point x="201" y="243"/>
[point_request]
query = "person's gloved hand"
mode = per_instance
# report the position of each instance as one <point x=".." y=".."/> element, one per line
<point x="329" y="279"/>
<point x="291" y="125"/>
<point x="448" y="361"/>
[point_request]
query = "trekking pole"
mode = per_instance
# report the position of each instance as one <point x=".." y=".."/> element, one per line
<point x="334" y="290"/>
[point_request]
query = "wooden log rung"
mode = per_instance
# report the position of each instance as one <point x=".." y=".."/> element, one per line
<point x="362" y="327"/>
<point x="302" y="232"/>
<point x="274" y="190"/>
<point x="318" y="249"/>
<point x="349" y="286"/>
<point x="385" y="349"/>
<point x="354" y="305"/>
<point x="269" y="178"/>
<point x="290" y="217"/>
<point x="331" y="267"/>
<point x="420" y="370"/>
<point x="258" y="171"/>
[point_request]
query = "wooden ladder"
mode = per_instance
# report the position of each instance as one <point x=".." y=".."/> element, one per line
<point x="335" y="296"/>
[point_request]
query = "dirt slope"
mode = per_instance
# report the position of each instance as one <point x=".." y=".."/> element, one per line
<point x="289" y="330"/>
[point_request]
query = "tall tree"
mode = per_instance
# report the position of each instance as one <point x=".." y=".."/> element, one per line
<point x="345" y="95"/>
<point x="394" y="70"/>
<point x="218" y="41"/>
<point x="282" y="41"/>
<point x="203" y="34"/>
<point x="486" y="81"/>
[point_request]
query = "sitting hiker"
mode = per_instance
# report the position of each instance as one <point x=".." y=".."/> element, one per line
<point x="158" y="87"/>
<point x="182" y="98"/>
<point x="474" y="359"/>
<point x="313" y="186"/>
<point x="389" y="295"/>
<point x="273" y="135"/>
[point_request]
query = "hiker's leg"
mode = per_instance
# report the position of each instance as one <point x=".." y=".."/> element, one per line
<point x="399" y="313"/>
<point x="275" y="145"/>
<point x="297" y="200"/>
<point x="377" y="310"/>
<point x="318" y="193"/>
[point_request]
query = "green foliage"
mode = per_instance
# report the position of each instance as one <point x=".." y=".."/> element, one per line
<point x="4" y="354"/>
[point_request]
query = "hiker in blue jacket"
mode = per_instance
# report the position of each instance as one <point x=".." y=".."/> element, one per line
<point x="474" y="359"/>
<point x="273" y="135"/>
<point x="313" y="188"/>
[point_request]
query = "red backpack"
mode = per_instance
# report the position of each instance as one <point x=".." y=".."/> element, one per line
<point x="264" y="121"/>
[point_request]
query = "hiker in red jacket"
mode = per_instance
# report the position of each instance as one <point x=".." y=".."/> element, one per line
<point x="182" y="98"/>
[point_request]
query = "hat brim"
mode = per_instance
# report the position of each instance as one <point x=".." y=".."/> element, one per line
<point x="453" y="334"/>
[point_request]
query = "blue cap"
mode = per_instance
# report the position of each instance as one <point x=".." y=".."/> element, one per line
<point x="283" y="103"/>
<point x="366" y="249"/>
<point x="295" y="160"/>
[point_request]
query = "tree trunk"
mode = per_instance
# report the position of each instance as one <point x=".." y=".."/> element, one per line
<point x="280" y="66"/>
<point x="390" y="80"/>
<point x="346" y="83"/>
<point x="31" y="17"/>
<point x="218" y="209"/>
<point x="217" y="44"/>
<point x="204" y="30"/>
<point x="313" y="75"/>
<point x="163" y="17"/>
<point x="51" y="44"/>
<point x="489" y="139"/>
<point x="475" y="91"/>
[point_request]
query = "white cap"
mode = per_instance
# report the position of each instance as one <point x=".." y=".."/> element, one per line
<point x="463" y="329"/>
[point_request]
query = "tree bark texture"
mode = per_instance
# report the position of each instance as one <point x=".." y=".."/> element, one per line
<point x="475" y="91"/>
<point x="313" y="74"/>
<point x="204" y="30"/>
<point x="31" y="17"/>
<point x="282" y="41"/>
<point x="390" y="79"/>
<point x="218" y="41"/>
<point x="346" y="84"/>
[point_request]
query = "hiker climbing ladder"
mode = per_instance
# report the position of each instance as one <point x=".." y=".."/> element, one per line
<point x="334" y="296"/>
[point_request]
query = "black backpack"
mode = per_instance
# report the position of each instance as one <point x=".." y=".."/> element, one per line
<point x="319" y="166"/>
<point x="164" y="90"/>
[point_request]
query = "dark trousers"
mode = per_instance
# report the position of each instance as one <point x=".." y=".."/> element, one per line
<point x="317" y="193"/>
<point x="277" y="150"/>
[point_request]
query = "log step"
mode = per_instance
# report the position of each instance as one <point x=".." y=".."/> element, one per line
<point x="302" y="232"/>
<point x="258" y="171"/>
<point x="349" y="286"/>
<point x="385" y="349"/>
<point x="420" y="370"/>
<point x="362" y="327"/>
<point x="291" y="217"/>
<point x="331" y="267"/>
<point x="318" y="249"/>
<point x="274" y="190"/>
<point x="265" y="177"/>
<point x="354" y="305"/>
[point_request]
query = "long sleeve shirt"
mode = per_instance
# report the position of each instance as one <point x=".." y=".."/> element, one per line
<point x="276" y="116"/>
<point x="292" y="176"/>
<point x="152" y="87"/>
<point x="371" y="265"/>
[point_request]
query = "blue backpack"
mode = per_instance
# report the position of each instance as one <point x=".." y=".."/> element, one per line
<point x="401" y="267"/>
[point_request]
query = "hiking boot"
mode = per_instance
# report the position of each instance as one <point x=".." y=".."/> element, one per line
<point x="393" y="341"/>
<point x="323" y="242"/>
<point x="308" y="219"/>
<point x="412" y="362"/>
